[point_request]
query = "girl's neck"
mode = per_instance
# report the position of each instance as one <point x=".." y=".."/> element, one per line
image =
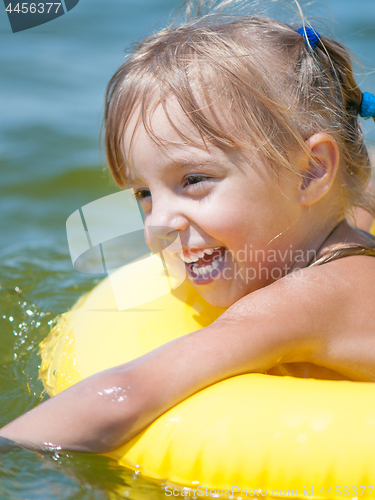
<point x="343" y="236"/>
<point x="314" y="245"/>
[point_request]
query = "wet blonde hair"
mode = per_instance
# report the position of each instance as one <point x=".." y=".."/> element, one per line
<point x="250" y="83"/>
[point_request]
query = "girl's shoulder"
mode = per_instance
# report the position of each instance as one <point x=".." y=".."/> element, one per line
<point x="323" y="313"/>
<point x="338" y="283"/>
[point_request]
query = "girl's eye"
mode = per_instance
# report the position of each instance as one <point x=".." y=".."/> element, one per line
<point x="141" y="194"/>
<point x="194" y="179"/>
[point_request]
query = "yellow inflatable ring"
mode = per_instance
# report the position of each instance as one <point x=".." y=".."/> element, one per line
<point x="269" y="435"/>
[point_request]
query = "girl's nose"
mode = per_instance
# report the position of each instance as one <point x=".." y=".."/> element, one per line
<point x="165" y="222"/>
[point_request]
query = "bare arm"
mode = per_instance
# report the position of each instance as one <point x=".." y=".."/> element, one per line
<point x="107" y="409"/>
<point x="293" y="320"/>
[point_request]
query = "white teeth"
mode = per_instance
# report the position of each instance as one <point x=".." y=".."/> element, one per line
<point x="189" y="257"/>
<point x="215" y="264"/>
<point x="203" y="271"/>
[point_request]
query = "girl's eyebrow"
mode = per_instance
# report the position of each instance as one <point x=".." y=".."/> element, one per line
<point x="184" y="163"/>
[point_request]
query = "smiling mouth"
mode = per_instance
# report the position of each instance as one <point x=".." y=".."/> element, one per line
<point x="206" y="267"/>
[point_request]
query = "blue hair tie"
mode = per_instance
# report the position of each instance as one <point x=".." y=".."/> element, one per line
<point x="311" y="37"/>
<point x="367" y="109"/>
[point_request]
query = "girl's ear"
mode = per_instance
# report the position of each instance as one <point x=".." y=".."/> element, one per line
<point x="319" y="168"/>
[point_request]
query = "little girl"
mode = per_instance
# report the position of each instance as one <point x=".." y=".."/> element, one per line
<point x="243" y="138"/>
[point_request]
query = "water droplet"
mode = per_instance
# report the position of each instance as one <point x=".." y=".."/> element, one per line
<point x="51" y="447"/>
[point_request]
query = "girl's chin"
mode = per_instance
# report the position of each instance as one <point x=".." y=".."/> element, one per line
<point x="219" y="298"/>
<point x="219" y="302"/>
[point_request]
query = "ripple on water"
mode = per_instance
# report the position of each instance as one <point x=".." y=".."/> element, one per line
<point x="37" y="284"/>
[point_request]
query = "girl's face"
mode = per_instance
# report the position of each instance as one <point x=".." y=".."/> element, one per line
<point x="237" y="224"/>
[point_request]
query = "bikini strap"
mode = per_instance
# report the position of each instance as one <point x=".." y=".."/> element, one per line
<point x="340" y="252"/>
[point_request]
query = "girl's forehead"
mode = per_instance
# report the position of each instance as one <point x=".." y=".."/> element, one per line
<point x="167" y="122"/>
<point x="165" y="132"/>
